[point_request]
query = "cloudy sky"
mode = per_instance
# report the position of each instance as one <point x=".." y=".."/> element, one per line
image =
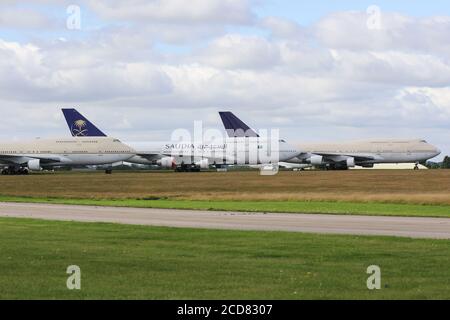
<point x="317" y="70"/>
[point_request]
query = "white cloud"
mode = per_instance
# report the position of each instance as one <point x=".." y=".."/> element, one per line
<point x="32" y="75"/>
<point x="176" y="11"/>
<point x="282" y="28"/>
<point x="397" y="68"/>
<point x="234" y="51"/>
<point x="348" y="30"/>
<point x="22" y="18"/>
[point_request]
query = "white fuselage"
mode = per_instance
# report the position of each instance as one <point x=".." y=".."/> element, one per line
<point x="228" y="151"/>
<point x="371" y="152"/>
<point x="237" y="150"/>
<point x="66" y="151"/>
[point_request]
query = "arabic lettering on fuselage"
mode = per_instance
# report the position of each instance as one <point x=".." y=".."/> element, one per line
<point x="191" y="146"/>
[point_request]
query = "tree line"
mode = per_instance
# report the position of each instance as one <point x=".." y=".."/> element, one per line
<point x="445" y="164"/>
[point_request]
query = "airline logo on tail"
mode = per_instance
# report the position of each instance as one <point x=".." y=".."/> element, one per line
<point x="80" y="126"/>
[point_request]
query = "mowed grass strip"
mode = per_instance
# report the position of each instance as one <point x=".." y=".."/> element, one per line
<point x="325" y="207"/>
<point x="137" y="262"/>
<point x="384" y="186"/>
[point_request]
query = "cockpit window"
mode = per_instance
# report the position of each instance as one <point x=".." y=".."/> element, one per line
<point x="424" y="141"/>
<point x="282" y="141"/>
<point x="116" y="140"/>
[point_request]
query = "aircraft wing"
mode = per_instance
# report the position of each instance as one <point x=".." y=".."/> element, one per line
<point x="336" y="157"/>
<point x="21" y="159"/>
<point x="150" y="156"/>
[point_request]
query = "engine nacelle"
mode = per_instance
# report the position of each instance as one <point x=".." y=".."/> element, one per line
<point x="316" y="160"/>
<point x="34" y="165"/>
<point x="167" y="162"/>
<point x="203" y="164"/>
<point x="350" y="162"/>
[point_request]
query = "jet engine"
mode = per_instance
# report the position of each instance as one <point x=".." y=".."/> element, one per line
<point x="203" y="164"/>
<point x="34" y="165"/>
<point x="350" y="162"/>
<point x="167" y="162"/>
<point x="316" y="160"/>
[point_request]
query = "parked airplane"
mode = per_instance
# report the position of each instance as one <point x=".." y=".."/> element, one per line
<point x="21" y="157"/>
<point x="348" y="154"/>
<point x="191" y="154"/>
<point x="367" y="153"/>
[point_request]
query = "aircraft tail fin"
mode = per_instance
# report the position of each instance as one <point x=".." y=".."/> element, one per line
<point x="235" y="127"/>
<point x="80" y="126"/>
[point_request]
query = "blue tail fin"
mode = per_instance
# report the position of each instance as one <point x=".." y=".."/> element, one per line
<point x="235" y="127"/>
<point x="80" y="126"/>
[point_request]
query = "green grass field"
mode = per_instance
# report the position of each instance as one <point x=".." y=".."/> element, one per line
<point x="329" y="207"/>
<point x="136" y="262"/>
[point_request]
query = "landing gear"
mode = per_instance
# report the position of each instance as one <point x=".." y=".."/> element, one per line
<point x="24" y="171"/>
<point x="416" y="166"/>
<point x="187" y="168"/>
<point x="335" y="166"/>
<point x="108" y="171"/>
<point x="13" y="171"/>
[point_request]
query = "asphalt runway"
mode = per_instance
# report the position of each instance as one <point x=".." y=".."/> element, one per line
<point x="435" y="228"/>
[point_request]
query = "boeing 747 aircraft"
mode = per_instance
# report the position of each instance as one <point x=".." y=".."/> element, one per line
<point x="21" y="157"/>
<point x="348" y="154"/>
<point x="234" y="150"/>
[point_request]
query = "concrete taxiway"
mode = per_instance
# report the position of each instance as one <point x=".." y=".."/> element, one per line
<point x="435" y="228"/>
